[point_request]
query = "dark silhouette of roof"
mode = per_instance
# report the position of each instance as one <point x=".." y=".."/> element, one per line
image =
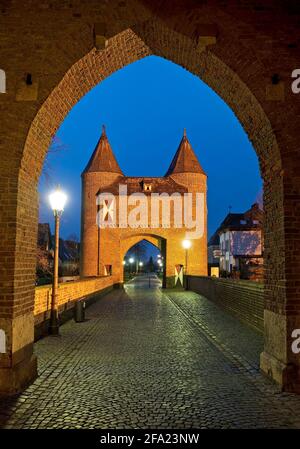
<point x="251" y="219"/>
<point x="68" y="250"/>
<point x="214" y="240"/>
<point x="44" y="236"/>
<point x="185" y="160"/>
<point x="103" y="159"/>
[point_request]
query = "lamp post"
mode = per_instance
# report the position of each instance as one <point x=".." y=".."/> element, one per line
<point x="57" y="201"/>
<point x="186" y="245"/>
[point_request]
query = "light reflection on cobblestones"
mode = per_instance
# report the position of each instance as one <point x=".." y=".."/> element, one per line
<point x="139" y="362"/>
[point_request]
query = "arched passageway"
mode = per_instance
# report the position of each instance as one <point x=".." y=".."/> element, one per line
<point x="223" y="49"/>
<point x="144" y="258"/>
<point x="137" y="248"/>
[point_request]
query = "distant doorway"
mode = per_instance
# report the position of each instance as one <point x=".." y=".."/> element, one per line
<point x="143" y="261"/>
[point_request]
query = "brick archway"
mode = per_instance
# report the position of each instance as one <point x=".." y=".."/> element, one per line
<point x="130" y="241"/>
<point x="246" y="89"/>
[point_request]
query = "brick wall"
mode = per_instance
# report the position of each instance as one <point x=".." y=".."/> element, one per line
<point x="68" y="294"/>
<point x="244" y="299"/>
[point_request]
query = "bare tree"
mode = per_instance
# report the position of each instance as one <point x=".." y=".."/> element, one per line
<point x="56" y="146"/>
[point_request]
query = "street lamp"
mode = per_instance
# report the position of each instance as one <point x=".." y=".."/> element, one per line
<point x="186" y="245"/>
<point x="57" y="201"/>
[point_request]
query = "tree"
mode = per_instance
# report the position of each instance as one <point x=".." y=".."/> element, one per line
<point x="150" y="265"/>
<point x="56" y="146"/>
<point x="43" y="263"/>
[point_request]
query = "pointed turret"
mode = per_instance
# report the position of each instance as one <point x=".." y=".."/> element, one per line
<point x="103" y="159"/>
<point x="185" y="160"/>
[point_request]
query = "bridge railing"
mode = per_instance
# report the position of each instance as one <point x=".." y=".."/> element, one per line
<point x="68" y="294"/>
<point x="244" y="299"/>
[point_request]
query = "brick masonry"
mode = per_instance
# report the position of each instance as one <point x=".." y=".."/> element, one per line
<point x="57" y="43"/>
<point x="68" y="294"/>
<point x="244" y="299"/>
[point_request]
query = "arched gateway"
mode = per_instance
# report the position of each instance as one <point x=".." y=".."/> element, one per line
<point x="118" y="211"/>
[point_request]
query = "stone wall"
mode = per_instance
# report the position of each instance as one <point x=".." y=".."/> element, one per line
<point x="244" y="299"/>
<point x="68" y="294"/>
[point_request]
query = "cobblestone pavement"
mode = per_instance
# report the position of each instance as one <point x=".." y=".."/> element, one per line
<point x="151" y="359"/>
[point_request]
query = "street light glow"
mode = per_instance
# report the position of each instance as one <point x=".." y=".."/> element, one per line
<point x="186" y="244"/>
<point x="57" y="200"/>
<point x="141" y="264"/>
<point x="131" y="260"/>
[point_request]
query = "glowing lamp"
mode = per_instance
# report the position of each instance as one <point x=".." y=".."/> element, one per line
<point x="57" y="200"/>
<point x="186" y="244"/>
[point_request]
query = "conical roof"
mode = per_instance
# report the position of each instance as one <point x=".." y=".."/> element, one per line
<point x="185" y="160"/>
<point x="103" y="159"/>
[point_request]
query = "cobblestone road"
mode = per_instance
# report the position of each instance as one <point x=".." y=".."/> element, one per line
<point x="151" y="359"/>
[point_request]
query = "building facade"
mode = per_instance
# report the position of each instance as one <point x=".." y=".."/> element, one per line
<point x="107" y="192"/>
<point x="241" y="243"/>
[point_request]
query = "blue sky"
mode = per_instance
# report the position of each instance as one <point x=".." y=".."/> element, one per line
<point x="145" y="107"/>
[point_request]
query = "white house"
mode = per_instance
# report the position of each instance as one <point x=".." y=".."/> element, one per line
<point x="241" y="242"/>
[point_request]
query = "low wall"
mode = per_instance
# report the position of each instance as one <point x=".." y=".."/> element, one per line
<point x="244" y="299"/>
<point x="68" y="294"/>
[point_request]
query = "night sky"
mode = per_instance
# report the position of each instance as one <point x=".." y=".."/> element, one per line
<point x="145" y="107"/>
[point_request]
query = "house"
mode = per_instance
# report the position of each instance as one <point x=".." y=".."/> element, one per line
<point x="241" y="244"/>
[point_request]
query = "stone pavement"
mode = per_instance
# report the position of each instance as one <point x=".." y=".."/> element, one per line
<point x="151" y="359"/>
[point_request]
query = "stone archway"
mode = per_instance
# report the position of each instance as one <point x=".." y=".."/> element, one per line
<point x="245" y="89"/>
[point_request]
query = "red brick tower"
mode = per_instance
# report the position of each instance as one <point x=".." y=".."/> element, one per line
<point x="101" y="170"/>
<point x="186" y="170"/>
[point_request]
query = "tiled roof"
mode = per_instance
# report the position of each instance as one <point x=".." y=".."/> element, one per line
<point x="103" y="159"/>
<point x="243" y="221"/>
<point x="135" y="184"/>
<point x="185" y="160"/>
